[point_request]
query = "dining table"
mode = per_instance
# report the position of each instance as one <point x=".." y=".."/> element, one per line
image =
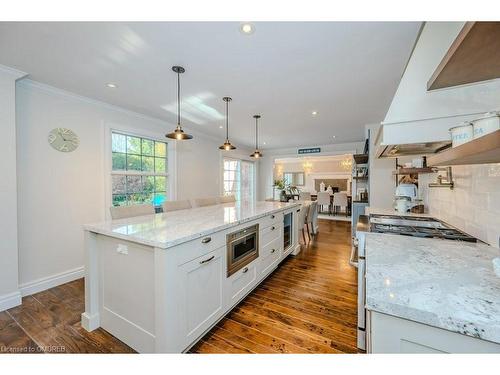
<point x="349" y="200"/>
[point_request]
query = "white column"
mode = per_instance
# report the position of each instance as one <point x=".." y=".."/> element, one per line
<point x="9" y="278"/>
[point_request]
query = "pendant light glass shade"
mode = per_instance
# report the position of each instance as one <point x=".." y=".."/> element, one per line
<point x="178" y="133"/>
<point x="256" y="154"/>
<point x="227" y="146"/>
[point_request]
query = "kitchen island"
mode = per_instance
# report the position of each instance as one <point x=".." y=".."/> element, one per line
<point x="430" y="295"/>
<point x="159" y="282"/>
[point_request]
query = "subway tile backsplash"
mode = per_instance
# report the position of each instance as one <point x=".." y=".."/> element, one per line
<point x="474" y="203"/>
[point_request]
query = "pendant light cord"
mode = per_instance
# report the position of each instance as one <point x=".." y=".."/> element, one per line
<point x="178" y="99"/>
<point x="227" y="120"/>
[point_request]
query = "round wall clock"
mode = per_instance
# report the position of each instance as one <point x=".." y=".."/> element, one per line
<point x="62" y="139"/>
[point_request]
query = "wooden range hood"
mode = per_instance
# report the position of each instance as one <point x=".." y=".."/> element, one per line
<point x="474" y="56"/>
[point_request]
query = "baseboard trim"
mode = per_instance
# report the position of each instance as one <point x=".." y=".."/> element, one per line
<point x="48" y="282"/>
<point x="10" y="300"/>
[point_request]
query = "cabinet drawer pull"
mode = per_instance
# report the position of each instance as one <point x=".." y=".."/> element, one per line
<point x="207" y="260"/>
<point x="245" y="270"/>
<point x="206" y="240"/>
<point x="272" y="216"/>
<point x="273" y="228"/>
<point x="273" y="250"/>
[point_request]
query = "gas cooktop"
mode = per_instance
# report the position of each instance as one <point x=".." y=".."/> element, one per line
<point x="417" y="227"/>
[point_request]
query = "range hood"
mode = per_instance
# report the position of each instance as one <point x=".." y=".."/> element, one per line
<point x="420" y="137"/>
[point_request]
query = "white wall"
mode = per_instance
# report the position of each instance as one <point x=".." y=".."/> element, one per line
<point x="473" y="204"/>
<point x="59" y="192"/>
<point x="266" y="164"/>
<point x="9" y="293"/>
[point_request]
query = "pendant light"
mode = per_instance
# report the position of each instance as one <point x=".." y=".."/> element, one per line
<point x="227" y="145"/>
<point x="178" y="133"/>
<point x="257" y="154"/>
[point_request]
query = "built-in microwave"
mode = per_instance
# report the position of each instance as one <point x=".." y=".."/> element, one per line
<point x="242" y="248"/>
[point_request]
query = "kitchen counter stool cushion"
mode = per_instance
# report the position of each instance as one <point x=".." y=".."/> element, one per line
<point x="202" y="202"/>
<point x="227" y="199"/>
<point x="169" y="206"/>
<point x="121" y="212"/>
<point x="305" y="196"/>
<point x="340" y="200"/>
<point x="323" y="200"/>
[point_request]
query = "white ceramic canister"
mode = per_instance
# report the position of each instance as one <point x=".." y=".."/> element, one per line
<point x="461" y="134"/>
<point x="486" y="124"/>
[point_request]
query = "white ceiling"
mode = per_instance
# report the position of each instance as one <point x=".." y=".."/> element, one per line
<point x="347" y="72"/>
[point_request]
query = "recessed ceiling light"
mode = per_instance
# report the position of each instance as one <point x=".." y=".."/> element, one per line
<point x="247" y="28"/>
<point x="264" y="143"/>
<point x="333" y="137"/>
<point x="314" y="113"/>
<point x="221" y="127"/>
<point x="111" y="85"/>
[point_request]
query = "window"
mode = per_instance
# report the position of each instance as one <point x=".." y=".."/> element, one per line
<point x="238" y="179"/>
<point x="139" y="170"/>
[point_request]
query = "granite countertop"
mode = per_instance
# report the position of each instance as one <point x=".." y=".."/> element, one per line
<point x="165" y="230"/>
<point x="446" y="284"/>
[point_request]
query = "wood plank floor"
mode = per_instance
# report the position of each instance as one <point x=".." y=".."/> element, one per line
<point x="308" y="305"/>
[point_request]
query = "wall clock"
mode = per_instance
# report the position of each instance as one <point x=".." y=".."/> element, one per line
<point x="64" y="140"/>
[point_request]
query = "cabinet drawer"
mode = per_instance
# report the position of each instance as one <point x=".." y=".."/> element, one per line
<point x="269" y="220"/>
<point x="195" y="248"/>
<point x="240" y="283"/>
<point x="269" y="256"/>
<point x="270" y="234"/>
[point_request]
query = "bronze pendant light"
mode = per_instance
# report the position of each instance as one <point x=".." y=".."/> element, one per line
<point x="178" y="133"/>
<point x="227" y="145"/>
<point x="257" y="154"/>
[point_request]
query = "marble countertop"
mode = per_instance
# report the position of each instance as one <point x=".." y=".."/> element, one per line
<point x="446" y="284"/>
<point x="172" y="228"/>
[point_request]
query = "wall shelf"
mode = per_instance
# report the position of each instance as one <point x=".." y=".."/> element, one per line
<point x="482" y="150"/>
<point x="408" y="171"/>
<point x="360" y="158"/>
<point x="472" y="57"/>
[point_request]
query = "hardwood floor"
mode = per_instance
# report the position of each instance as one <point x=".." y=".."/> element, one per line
<point x="308" y="305"/>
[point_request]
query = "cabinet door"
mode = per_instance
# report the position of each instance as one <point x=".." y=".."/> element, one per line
<point x="201" y="294"/>
<point x="240" y="283"/>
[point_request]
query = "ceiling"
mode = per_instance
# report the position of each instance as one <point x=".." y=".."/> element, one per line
<point x="324" y="158"/>
<point x="346" y="71"/>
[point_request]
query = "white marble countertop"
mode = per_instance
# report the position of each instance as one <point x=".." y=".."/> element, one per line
<point x="442" y="283"/>
<point x="165" y="230"/>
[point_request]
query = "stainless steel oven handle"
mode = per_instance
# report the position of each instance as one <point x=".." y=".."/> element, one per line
<point x="206" y="240"/>
<point x="207" y="260"/>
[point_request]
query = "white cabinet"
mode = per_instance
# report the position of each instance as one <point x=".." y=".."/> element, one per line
<point x="389" y="334"/>
<point x="200" y="299"/>
<point x="240" y="283"/>
<point x="270" y="256"/>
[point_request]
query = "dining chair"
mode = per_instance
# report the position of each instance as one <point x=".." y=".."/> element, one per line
<point x="227" y="199"/>
<point x="169" y="206"/>
<point x="304" y="196"/>
<point x="202" y="202"/>
<point x="324" y="200"/>
<point x="340" y="200"/>
<point x="310" y="219"/>
<point x="122" y="212"/>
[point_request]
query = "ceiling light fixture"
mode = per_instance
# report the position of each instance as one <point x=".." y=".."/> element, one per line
<point x="256" y="154"/>
<point x="314" y="113"/>
<point x="111" y="85"/>
<point x="178" y="133"/>
<point x="227" y="145"/>
<point x="247" y="28"/>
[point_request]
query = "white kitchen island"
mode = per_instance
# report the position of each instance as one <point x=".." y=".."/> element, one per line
<point x="160" y="282"/>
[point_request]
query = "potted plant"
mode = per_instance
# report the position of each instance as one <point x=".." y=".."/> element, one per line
<point x="282" y="186"/>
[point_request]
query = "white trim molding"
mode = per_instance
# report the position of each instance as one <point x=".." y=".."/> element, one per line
<point x="10" y="300"/>
<point x="48" y="282"/>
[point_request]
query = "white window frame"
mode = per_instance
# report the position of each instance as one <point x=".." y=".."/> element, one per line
<point x="171" y="173"/>
<point x="237" y="157"/>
